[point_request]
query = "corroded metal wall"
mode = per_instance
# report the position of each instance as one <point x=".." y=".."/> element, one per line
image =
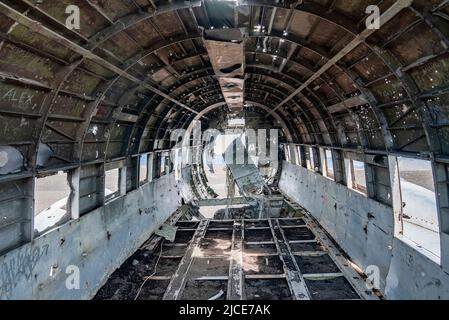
<point x="365" y="230"/>
<point x="96" y="244"/>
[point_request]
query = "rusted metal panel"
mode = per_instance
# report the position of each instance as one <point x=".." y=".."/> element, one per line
<point x="226" y="54"/>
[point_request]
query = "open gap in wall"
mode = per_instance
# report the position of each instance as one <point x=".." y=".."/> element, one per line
<point x="166" y="164"/>
<point x="115" y="180"/>
<point x="51" y="202"/>
<point x="298" y="155"/>
<point x="356" y="175"/>
<point x="143" y="168"/>
<point x="215" y="165"/>
<point x="288" y="153"/>
<point x="309" y="159"/>
<point x="329" y="164"/>
<point x="418" y="216"/>
<point x="112" y="184"/>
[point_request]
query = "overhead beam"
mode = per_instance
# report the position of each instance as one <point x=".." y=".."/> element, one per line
<point x="99" y="10"/>
<point x="313" y="128"/>
<point x="87" y="54"/>
<point x="131" y="20"/>
<point x="397" y="7"/>
<point x="135" y="18"/>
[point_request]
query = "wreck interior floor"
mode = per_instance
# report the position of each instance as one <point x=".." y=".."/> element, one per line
<point x="268" y="259"/>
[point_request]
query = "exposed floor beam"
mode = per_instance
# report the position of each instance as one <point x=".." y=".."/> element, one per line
<point x="221" y="202"/>
<point x="294" y="276"/>
<point x="178" y="282"/>
<point x="235" y="284"/>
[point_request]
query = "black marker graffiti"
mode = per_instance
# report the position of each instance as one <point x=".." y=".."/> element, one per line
<point x="18" y="266"/>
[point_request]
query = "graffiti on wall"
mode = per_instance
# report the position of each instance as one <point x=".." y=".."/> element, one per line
<point x="18" y="267"/>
